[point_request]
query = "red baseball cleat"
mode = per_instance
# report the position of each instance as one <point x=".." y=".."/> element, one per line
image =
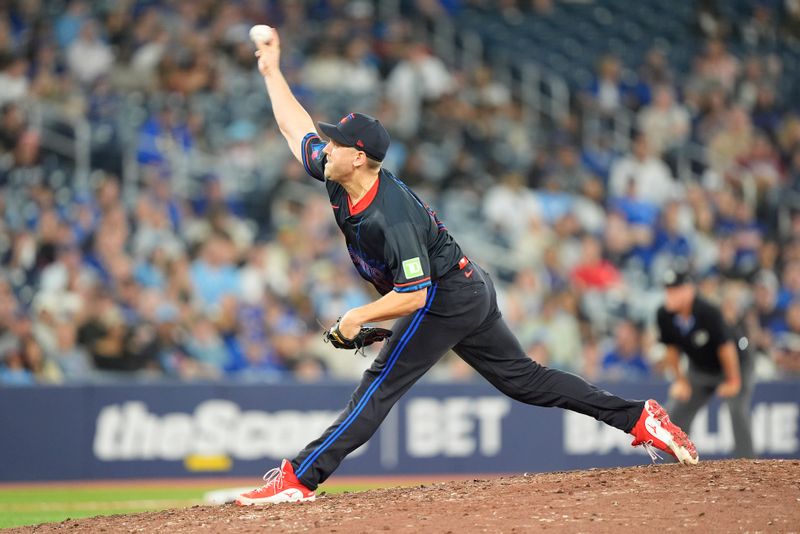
<point x="655" y="430"/>
<point x="281" y="486"/>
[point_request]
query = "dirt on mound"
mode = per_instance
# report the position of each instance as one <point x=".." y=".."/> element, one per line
<point x="720" y="496"/>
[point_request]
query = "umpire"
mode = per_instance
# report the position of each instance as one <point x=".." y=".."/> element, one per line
<point x="719" y="361"/>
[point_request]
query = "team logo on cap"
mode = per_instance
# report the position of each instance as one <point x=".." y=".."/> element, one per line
<point x="347" y="117"/>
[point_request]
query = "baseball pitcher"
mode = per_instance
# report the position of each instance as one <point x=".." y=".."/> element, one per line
<point x="440" y="299"/>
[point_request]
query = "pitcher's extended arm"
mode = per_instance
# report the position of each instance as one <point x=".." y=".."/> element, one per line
<point x="293" y="120"/>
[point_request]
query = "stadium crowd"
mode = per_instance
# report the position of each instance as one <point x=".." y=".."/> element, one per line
<point x="229" y="272"/>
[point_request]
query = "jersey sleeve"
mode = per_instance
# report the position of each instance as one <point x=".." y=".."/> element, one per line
<point x="314" y="159"/>
<point x="719" y="331"/>
<point x="665" y="329"/>
<point x="408" y="258"/>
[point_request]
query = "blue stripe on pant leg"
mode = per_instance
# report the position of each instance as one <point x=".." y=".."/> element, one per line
<point x="371" y="390"/>
<point x="362" y="403"/>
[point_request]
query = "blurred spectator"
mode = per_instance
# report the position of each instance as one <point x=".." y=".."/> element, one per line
<point x="607" y="93"/>
<point x="160" y="135"/>
<point x="656" y="70"/>
<point x="115" y="346"/>
<point x="718" y="65"/>
<point x="672" y="237"/>
<point x="154" y="230"/>
<point x="761" y="31"/>
<point x="360" y="75"/>
<point x="88" y="57"/>
<point x="13" y="79"/>
<point x="787" y="356"/>
<point x="526" y="301"/>
<point x="790" y="21"/>
<point x="73" y="360"/>
<point x="14" y="372"/>
<point x="761" y="168"/>
<point x="598" y="156"/>
<point x="593" y="272"/>
<point x="419" y="77"/>
<point x="12" y="125"/>
<point x="709" y="21"/>
<point x="765" y="319"/>
<point x="641" y="176"/>
<point x="323" y="69"/>
<point x="70" y="23"/>
<point x="664" y="123"/>
<point x="712" y="114"/>
<point x="486" y="91"/>
<point x="213" y="274"/>
<point x="569" y="175"/>
<point x="205" y="344"/>
<point x="731" y="142"/>
<point x="510" y="196"/>
<point x="792" y="188"/>
<point x="44" y="370"/>
<point x="626" y="359"/>
<point x="752" y="78"/>
<point x="790" y="286"/>
<point x="145" y="60"/>
<point x="172" y="345"/>
<point x="766" y="113"/>
<point x="309" y="369"/>
<point x="553" y="338"/>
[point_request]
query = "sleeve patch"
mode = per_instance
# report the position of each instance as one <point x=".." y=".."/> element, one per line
<point x="412" y="268"/>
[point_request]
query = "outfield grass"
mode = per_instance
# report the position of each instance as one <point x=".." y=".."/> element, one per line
<point x="31" y="506"/>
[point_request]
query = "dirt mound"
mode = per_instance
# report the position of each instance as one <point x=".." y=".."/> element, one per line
<point x="721" y="496"/>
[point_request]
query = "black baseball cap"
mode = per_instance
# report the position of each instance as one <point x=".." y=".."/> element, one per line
<point x="361" y="132"/>
<point x="677" y="275"/>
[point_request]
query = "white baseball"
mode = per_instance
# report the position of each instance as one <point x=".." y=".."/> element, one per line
<point x="261" y="33"/>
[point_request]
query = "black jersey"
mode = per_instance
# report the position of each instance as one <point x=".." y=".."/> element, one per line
<point x="395" y="240"/>
<point x="700" y="337"/>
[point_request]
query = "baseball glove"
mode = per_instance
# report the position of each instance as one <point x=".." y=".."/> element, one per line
<point x="364" y="338"/>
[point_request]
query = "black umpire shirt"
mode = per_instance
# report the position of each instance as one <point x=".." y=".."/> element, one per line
<point x="395" y="241"/>
<point x="700" y="337"/>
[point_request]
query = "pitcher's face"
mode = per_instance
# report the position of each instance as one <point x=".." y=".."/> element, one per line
<point x="341" y="161"/>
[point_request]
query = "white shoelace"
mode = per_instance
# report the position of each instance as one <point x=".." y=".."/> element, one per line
<point x="273" y="477"/>
<point x="652" y="451"/>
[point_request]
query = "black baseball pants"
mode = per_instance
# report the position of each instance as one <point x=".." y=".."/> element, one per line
<point x="460" y="313"/>
<point x="704" y="387"/>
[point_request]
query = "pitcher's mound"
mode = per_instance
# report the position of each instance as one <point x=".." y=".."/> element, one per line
<point x="717" y="496"/>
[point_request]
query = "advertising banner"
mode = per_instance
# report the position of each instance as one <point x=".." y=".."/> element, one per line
<point x="177" y="430"/>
